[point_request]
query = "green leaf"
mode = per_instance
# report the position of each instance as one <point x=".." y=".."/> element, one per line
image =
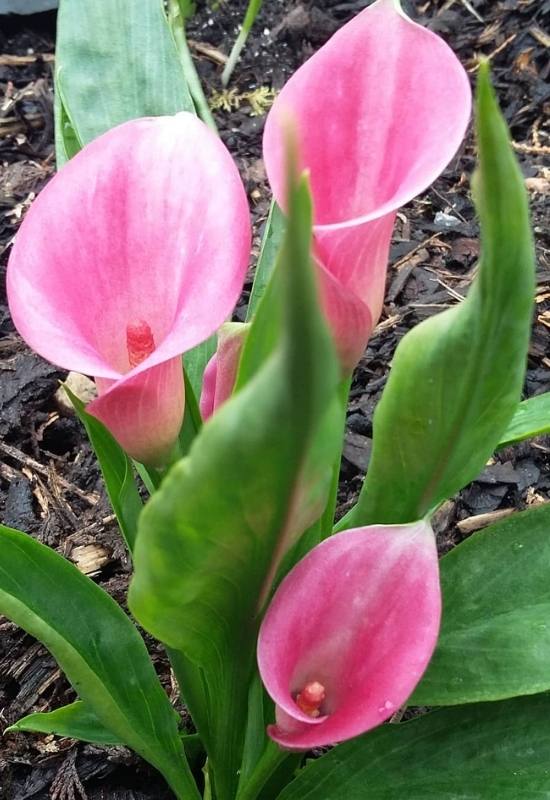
<point x="67" y="143"/>
<point x="117" y="471"/>
<point x="456" y="378"/>
<point x="491" y="751"/>
<point x="75" y="721"/>
<point x="195" y="362"/>
<point x="271" y="245"/>
<point x="116" y="60"/>
<point x="211" y="537"/>
<point x="97" y="647"/>
<point x="495" y="635"/>
<point x="532" y="418"/>
<point x="192" y="420"/>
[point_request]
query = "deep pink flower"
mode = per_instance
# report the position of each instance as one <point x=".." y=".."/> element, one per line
<point x="134" y="253"/>
<point x="221" y="371"/>
<point x="380" y="111"/>
<point x="349" y="633"/>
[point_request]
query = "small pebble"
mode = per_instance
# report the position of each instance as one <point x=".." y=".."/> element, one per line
<point x="81" y="386"/>
<point x="445" y="222"/>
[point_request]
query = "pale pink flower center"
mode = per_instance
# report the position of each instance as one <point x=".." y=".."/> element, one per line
<point x="139" y="342"/>
<point x="311" y="698"/>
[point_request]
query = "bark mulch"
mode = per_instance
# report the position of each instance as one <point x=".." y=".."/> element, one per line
<point x="49" y="481"/>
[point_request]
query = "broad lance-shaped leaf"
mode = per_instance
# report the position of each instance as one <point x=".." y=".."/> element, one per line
<point x="210" y="538"/>
<point x="456" y="378"/>
<point x="77" y="721"/>
<point x="495" y="637"/>
<point x="480" y="752"/>
<point x="532" y="418"/>
<point x="116" y="60"/>
<point x="97" y="647"/>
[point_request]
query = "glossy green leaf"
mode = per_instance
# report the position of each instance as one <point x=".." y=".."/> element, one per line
<point x="491" y="751"/>
<point x="532" y="418"/>
<point x="117" y="471"/>
<point x="115" y="60"/>
<point x="97" y="647"/>
<point x="75" y="721"/>
<point x="210" y="538"/>
<point x="495" y="635"/>
<point x="271" y="244"/>
<point x="456" y="378"/>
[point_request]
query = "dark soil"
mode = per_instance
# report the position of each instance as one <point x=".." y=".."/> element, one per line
<point x="49" y="481"/>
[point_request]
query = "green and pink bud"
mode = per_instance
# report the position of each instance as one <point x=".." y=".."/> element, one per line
<point x="221" y="371"/>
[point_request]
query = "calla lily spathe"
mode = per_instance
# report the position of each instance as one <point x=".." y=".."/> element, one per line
<point x="135" y="252"/>
<point x="380" y="110"/>
<point x="350" y="632"/>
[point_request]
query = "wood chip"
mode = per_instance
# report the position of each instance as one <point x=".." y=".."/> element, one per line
<point x="480" y="521"/>
<point x="541" y="36"/>
<point x="90" y="558"/>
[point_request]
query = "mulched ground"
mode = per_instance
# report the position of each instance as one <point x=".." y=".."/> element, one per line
<point x="49" y="481"/>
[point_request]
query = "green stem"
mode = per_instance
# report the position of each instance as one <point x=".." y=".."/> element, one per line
<point x="327" y="520"/>
<point x="271" y="759"/>
<point x="234" y="56"/>
<point x="250" y="16"/>
<point x="176" y="21"/>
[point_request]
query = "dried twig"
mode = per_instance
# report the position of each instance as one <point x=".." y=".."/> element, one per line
<point x="468" y="6"/>
<point x="534" y="149"/>
<point x="475" y="523"/>
<point x="208" y="51"/>
<point x="496" y="51"/>
<point x="92" y="498"/>
<point x="11" y="125"/>
<point x="7" y="60"/>
<point x="434" y="239"/>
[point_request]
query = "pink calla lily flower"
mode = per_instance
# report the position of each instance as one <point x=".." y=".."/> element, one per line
<point x="134" y="253"/>
<point x="349" y="633"/>
<point x="380" y="110"/>
<point x="221" y="371"/>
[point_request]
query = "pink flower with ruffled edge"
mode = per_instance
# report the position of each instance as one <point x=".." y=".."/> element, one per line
<point x="349" y="633"/>
<point x="380" y="110"/>
<point x="135" y="252"/>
